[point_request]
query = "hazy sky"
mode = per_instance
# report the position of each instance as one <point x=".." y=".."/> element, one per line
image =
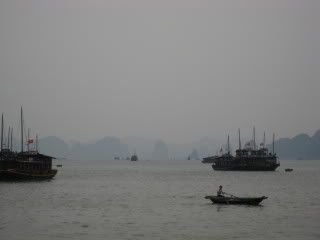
<point x="171" y="69"/>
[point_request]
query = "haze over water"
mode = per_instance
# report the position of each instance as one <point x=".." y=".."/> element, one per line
<point x="177" y="70"/>
<point x="174" y="70"/>
<point x="161" y="200"/>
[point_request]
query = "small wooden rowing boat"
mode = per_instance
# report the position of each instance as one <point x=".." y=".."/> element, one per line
<point x="236" y="200"/>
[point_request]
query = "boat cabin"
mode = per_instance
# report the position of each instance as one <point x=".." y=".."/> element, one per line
<point x="34" y="162"/>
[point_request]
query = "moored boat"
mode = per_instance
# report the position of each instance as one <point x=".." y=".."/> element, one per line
<point x="212" y="159"/>
<point x="134" y="157"/>
<point x="236" y="200"/>
<point x="15" y="174"/>
<point x="24" y="165"/>
<point x="249" y="158"/>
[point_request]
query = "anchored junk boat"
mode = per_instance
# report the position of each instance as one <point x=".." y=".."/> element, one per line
<point x="212" y="159"/>
<point x="134" y="157"/>
<point x="248" y="159"/>
<point x="23" y="165"/>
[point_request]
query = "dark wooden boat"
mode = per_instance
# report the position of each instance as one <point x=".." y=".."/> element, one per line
<point x="15" y="174"/>
<point x="236" y="200"/>
<point x="23" y="165"/>
<point x="288" y="169"/>
<point x="210" y="159"/>
<point x="249" y="158"/>
<point x="134" y="157"/>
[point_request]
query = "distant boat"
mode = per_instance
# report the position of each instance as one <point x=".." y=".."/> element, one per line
<point x="247" y="159"/>
<point x="236" y="200"/>
<point x="211" y="159"/>
<point x="134" y="157"/>
<point x="24" y="165"/>
<point x="288" y="170"/>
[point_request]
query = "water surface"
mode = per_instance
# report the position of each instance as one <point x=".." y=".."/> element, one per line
<point x="161" y="200"/>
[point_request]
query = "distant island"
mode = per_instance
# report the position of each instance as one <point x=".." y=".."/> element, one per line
<point x="300" y="147"/>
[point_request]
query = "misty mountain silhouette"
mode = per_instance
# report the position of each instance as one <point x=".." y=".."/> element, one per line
<point x="104" y="149"/>
<point x="54" y="146"/>
<point x="160" y="151"/>
<point x="302" y="146"/>
<point x="194" y="155"/>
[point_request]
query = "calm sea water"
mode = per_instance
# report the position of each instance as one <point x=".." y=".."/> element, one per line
<point x="161" y="200"/>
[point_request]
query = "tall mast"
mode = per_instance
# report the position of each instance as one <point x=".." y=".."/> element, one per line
<point x="239" y="139"/>
<point x="228" y="145"/>
<point x="1" y="131"/>
<point x="273" y="144"/>
<point x="264" y="139"/>
<point x="254" y="138"/>
<point x="11" y="148"/>
<point x="37" y="143"/>
<point x="8" y="140"/>
<point x="28" y="147"/>
<point x="21" y="112"/>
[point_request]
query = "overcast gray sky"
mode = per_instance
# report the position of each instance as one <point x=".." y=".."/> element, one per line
<point x="171" y="69"/>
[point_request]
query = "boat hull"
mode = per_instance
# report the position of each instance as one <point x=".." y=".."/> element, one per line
<point x="245" y="168"/>
<point x="14" y="175"/>
<point x="236" y="200"/>
<point x="209" y="159"/>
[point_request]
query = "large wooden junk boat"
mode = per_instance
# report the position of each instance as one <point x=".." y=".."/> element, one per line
<point x="23" y="165"/>
<point x="247" y="159"/>
<point x="212" y="159"/>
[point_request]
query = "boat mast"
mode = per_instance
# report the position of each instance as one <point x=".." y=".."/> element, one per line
<point x="37" y="143"/>
<point x="264" y="139"/>
<point x="8" y="140"/>
<point x="239" y="139"/>
<point x="1" y="131"/>
<point x="28" y="147"/>
<point x="273" y="144"/>
<point x="11" y="148"/>
<point x="228" y="145"/>
<point x="21" y="112"/>
<point x="254" y="138"/>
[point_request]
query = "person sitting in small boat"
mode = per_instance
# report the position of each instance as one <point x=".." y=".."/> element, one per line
<point x="220" y="193"/>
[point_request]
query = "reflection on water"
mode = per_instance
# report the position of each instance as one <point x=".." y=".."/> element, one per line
<point x="161" y="200"/>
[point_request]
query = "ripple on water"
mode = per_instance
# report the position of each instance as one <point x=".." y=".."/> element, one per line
<point x="160" y="200"/>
